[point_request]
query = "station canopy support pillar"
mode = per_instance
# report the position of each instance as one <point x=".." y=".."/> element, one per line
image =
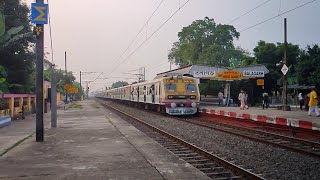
<point x="227" y="93"/>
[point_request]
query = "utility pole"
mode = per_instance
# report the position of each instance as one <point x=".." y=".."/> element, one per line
<point x="65" y="77"/>
<point x="144" y="73"/>
<point x="80" y="87"/>
<point x="285" y="83"/>
<point x="87" y="89"/>
<point x="53" y="97"/>
<point x="39" y="81"/>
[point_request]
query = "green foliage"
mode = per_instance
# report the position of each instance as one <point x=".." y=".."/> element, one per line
<point x="269" y="54"/>
<point x="308" y="68"/>
<point x="3" y="84"/>
<point x="205" y="42"/>
<point x="16" y="53"/>
<point x="208" y="87"/>
<point x="119" y="84"/>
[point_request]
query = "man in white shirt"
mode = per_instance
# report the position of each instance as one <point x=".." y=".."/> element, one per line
<point x="301" y="102"/>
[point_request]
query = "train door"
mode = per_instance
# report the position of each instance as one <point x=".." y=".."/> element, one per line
<point x="138" y="93"/>
<point x="144" y="93"/>
<point x="152" y="93"/>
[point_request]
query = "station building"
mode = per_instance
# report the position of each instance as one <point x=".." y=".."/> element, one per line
<point x="225" y="74"/>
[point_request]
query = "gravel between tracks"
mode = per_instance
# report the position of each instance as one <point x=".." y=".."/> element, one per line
<point x="272" y="162"/>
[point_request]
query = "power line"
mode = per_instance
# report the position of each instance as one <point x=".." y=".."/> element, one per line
<point x="278" y="15"/>
<point x="97" y="77"/>
<point x="149" y="37"/>
<point x="52" y="62"/>
<point x="248" y="12"/>
<point x="139" y="31"/>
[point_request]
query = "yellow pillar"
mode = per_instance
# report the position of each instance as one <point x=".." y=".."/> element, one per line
<point x="29" y="103"/>
<point x="20" y="102"/>
<point x="11" y="105"/>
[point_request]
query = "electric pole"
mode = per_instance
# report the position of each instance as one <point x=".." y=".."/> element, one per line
<point x="39" y="77"/>
<point x="285" y="84"/>
<point x="80" y="88"/>
<point x="53" y="97"/>
<point x="65" y="77"/>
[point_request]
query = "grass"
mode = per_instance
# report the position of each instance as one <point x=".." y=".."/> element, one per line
<point x="75" y="105"/>
<point x="15" y="145"/>
<point x="95" y="106"/>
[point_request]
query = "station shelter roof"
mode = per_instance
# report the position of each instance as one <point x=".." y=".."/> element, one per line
<point x="218" y="73"/>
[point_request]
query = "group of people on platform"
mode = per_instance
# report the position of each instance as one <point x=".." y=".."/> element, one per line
<point x="309" y="101"/>
<point x="243" y="98"/>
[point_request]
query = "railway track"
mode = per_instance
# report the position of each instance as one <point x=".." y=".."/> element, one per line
<point x="310" y="148"/>
<point x="210" y="164"/>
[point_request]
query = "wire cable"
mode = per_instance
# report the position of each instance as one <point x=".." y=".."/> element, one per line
<point x="277" y="15"/>
<point x="139" y="31"/>
<point x="148" y="37"/>
<point x="52" y="62"/>
<point x="248" y="12"/>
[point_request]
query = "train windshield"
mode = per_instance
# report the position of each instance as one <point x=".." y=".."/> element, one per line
<point x="190" y="88"/>
<point x="171" y="87"/>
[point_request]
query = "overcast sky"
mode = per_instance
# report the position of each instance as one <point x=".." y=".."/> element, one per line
<point x="95" y="33"/>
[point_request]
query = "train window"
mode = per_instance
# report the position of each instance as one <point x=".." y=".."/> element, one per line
<point x="171" y="87"/>
<point x="190" y="88"/>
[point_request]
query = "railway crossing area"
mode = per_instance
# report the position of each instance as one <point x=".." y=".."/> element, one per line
<point x="90" y="142"/>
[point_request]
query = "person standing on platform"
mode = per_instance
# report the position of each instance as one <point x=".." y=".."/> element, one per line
<point x="220" y="98"/>
<point x="300" y="97"/>
<point x="313" y="103"/>
<point x="265" y="101"/>
<point x="246" y="100"/>
<point x="241" y="98"/>
<point x="306" y="102"/>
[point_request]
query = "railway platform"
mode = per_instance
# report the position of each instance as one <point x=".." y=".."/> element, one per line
<point x="295" y="118"/>
<point x="89" y="143"/>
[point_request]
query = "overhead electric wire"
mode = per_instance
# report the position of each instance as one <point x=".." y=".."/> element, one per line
<point x="139" y="31"/>
<point x="97" y="77"/>
<point x="51" y="44"/>
<point x="249" y="11"/>
<point x="278" y="15"/>
<point x="149" y="37"/>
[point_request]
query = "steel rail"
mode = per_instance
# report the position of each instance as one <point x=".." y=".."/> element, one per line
<point x="238" y="170"/>
<point x="305" y="147"/>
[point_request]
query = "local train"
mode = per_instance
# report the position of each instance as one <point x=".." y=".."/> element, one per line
<point x="174" y="95"/>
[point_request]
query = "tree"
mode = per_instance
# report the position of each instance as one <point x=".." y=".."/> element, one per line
<point x="205" y="42"/>
<point x="119" y="84"/>
<point x="270" y="54"/>
<point x="308" y="68"/>
<point x="17" y="56"/>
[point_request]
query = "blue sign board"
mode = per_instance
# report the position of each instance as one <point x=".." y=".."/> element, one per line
<point x="39" y="13"/>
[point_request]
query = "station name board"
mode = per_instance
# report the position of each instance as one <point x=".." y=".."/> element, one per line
<point x="229" y="75"/>
<point x="253" y="73"/>
<point x="204" y="74"/>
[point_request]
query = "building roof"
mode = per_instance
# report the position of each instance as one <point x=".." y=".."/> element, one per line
<point x="191" y="69"/>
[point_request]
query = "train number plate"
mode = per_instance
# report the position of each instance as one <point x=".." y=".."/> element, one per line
<point x="177" y="111"/>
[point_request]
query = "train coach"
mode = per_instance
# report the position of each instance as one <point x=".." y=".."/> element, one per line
<point x="174" y="95"/>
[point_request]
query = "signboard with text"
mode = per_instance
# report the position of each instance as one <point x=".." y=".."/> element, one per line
<point x="260" y="82"/>
<point x="229" y="75"/>
<point x="253" y="73"/>
<point x="204" y="74"/>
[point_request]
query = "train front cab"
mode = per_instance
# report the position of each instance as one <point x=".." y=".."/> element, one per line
<point x="181" y="95"/>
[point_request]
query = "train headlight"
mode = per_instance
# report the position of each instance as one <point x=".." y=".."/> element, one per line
<point x="193" y="104"/>
<point x="173" y="105"/>
<point x="192" y="97"/>
<point x="170" y="97"/>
